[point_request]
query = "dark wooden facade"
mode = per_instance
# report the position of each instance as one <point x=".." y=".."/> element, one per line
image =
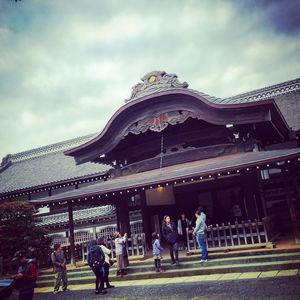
<point x="207" y="152"/>
<point x="178" y="125"/>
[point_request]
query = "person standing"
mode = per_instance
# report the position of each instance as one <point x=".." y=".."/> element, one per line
<point x="95" y="260"/>
<point x="157" y="251"/>
<point x="59" y="266"/>
<point x="199" y="233"/>
<point x="26" y="276"/>
<point x="120" y="253"/>
<point x="170" y="234"/>
<point x="106" y="264"/>
<point x="182" y="225"/>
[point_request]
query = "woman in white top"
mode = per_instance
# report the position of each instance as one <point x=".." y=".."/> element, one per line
<point x="106" y="264"/>
<point x="120" y="246"/>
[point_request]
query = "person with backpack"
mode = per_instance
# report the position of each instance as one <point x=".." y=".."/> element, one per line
<point x="25" y="279"/>
<point x="107" y="262"/>
<point x="96" y="261"/>
<point x="59" y="268"/>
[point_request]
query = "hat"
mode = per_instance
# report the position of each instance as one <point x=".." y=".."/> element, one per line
<point x="18" y="255"/>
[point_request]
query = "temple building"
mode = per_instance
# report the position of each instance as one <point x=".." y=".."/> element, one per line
<point x="168" y="150"/>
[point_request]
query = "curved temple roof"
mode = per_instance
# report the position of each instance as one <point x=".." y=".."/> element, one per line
<point x="159" y="93"/>
<point x="48" y="164"/>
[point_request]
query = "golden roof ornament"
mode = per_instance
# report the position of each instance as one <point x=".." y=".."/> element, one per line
<point x="155" y="82"/>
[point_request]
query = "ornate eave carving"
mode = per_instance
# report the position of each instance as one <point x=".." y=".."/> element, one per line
<point x="154" y="82"/>
<point x="159" y="123"/>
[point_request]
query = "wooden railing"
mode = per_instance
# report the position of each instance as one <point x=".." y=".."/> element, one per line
<point x="79" y="238"/>
<point x="136" y="245"/>
<point x="82" y="237"/>
<point x="237" y="235"/>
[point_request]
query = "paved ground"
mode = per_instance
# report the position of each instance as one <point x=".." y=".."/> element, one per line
<point x="277" y="287"/>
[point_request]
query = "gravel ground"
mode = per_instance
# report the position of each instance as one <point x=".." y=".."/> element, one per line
<point x="269" y="288"/>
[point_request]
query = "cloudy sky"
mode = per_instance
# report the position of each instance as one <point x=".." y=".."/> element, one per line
<point x="67" y="66"/>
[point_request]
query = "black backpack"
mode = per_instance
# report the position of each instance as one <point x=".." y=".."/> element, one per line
<point x="95" y="257"/>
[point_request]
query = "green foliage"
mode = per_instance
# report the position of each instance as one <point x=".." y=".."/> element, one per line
<point x="19" y="229"/>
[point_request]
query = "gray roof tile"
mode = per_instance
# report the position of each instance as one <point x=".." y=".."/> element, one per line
<point x="78" y="215"/>
<point x="45" y="165"/>
<point x="265" y="93"/>
<point x="204" y="167"/>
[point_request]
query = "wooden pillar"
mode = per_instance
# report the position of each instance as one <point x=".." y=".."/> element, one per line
<point x="146" y="219"/>
<point x="261" y="193"/>
<point x="71" y="237"/>
<point x="247" y="182"/>
<point x="289" y="177"/>
<point x="94" y="233"/>
<point x="123" y="215"/>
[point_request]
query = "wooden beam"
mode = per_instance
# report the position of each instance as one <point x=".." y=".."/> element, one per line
<point x="146" y="219"/>
<point x="123" y="215"/>
<point x="288" y="175"/>
<point x="71" y="237"/>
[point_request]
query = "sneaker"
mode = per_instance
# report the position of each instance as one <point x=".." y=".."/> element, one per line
<point x="161" y="270"/>
<point x="203" y="260"/>
<point x="103" y="292"/>
<point x="177" y="263"/>
<point x="55" y="292"/>
<point x="173" y="262"/>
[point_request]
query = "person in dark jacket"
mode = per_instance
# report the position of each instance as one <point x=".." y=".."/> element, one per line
<point x="106" y="265"/>
<point x="170" y="234"/>
<point x="96" y="260"/>
<point x="183" y="225"/>
<point x="26" y="276"/>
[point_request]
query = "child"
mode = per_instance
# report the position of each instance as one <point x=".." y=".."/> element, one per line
<point x="157" y="249"/>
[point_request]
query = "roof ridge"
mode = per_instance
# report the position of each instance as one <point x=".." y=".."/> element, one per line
<point x="288" y="86"/>
<point x="52" y="148"/>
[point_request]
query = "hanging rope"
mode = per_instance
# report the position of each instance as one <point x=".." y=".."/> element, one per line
<point x="161" y="150"/>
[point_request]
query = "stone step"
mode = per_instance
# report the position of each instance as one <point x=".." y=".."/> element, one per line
<point x="183" y="270"/>
<point x="134" y="268"/>
<point x="184" y="258"/>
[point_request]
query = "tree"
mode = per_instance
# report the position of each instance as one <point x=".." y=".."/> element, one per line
<point x="19" y="229"/>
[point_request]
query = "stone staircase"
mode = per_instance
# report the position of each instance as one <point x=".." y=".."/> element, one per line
<point x="219" y="263"/>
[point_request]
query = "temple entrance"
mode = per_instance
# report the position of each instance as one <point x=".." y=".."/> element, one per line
<point x="223" y="200"/>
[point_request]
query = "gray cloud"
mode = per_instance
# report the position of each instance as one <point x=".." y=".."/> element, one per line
<point x="66" y="68"/>
<point x="281" y="15"/>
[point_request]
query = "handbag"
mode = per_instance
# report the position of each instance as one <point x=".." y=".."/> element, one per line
<point x="111" y="262"/>
<point x="124" y="250"/>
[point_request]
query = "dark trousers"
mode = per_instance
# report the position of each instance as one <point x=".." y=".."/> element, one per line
<point x="106" y="267"/>
<point x="99" y="278"/>
<point x="184" y="238"/>
<point x="26" y="295"/>
<point x="157" y="263"/>
<point x="173" y="248"/>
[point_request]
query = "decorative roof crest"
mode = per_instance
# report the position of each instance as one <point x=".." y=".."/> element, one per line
<point x="154" y="82"/>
